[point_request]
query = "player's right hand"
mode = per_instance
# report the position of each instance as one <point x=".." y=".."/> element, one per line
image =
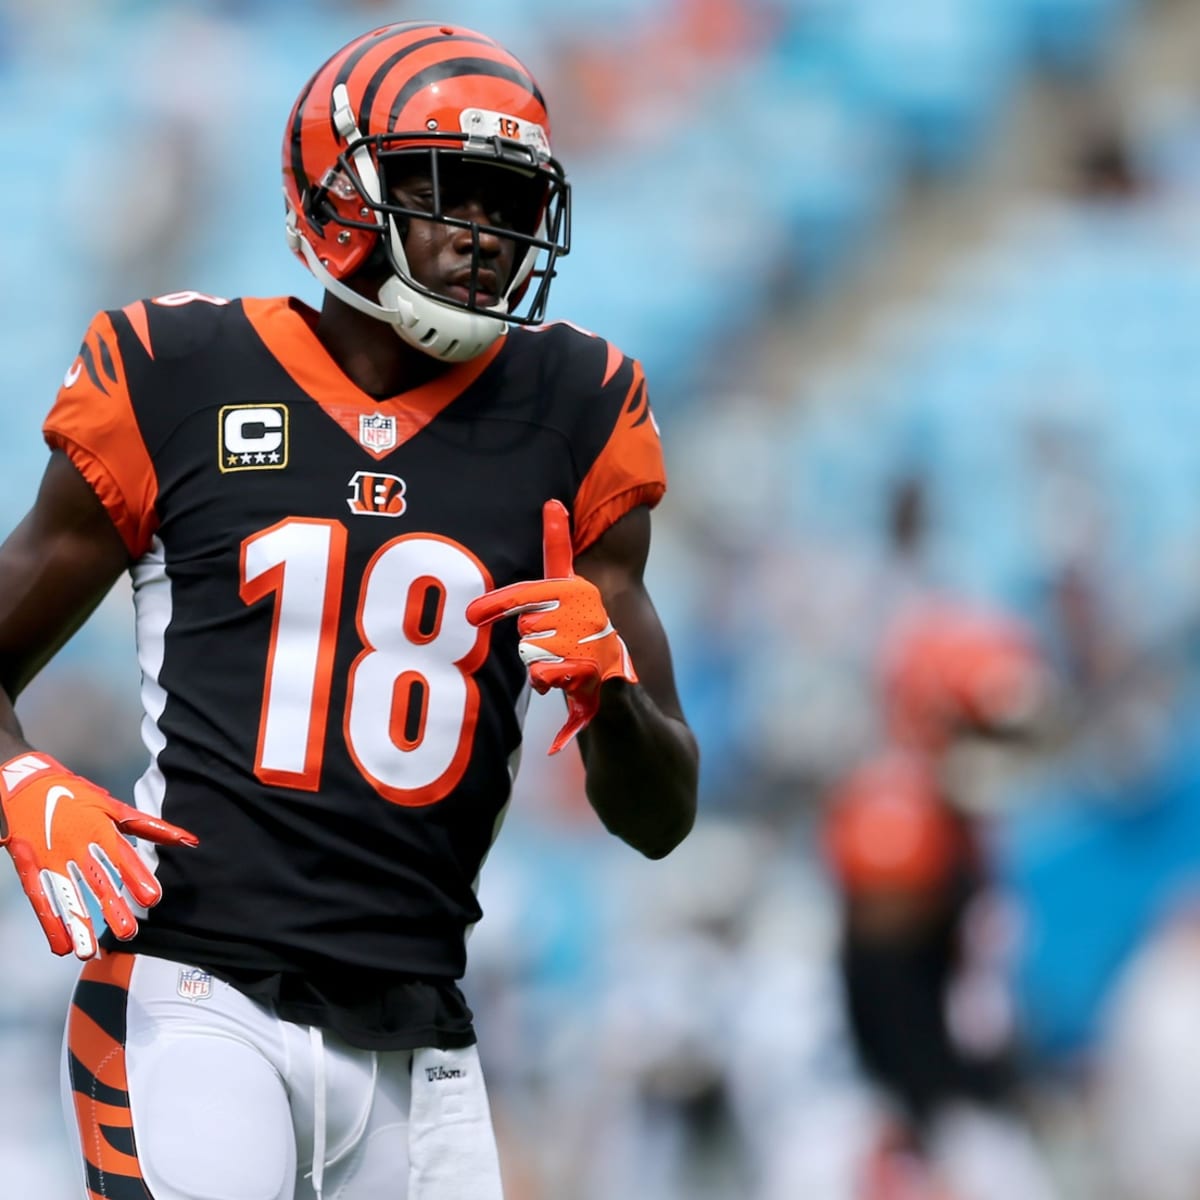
<point x="567" y="640"/>
<point x="64" y="835"/>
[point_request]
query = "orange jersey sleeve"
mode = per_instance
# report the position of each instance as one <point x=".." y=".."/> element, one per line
<point x="92" y="421"/>
<point x="629" y="470"/>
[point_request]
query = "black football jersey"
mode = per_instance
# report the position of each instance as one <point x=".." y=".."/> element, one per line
<point x="318" y="710"/>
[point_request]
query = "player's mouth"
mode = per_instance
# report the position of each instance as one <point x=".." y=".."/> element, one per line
<point x="486" y="293"/>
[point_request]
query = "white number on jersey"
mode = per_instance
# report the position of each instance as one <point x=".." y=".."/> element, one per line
<point x="412" y="700"/>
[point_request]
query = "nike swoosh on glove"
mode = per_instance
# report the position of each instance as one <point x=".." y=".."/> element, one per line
<point x="567" y="640"/>
<point x="64" y="835"/>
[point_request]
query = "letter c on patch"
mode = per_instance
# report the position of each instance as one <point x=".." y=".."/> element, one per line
<point x="253" y="429"/>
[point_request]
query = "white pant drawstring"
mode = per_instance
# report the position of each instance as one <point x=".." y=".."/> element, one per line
<point x="361" y="1127"/>
<point x="317" y="1041"/>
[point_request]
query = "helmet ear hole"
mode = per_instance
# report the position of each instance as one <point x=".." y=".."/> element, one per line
<point x="318" y="208"/>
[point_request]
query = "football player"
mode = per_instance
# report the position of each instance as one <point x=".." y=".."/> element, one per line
<point x="329" y="519"/>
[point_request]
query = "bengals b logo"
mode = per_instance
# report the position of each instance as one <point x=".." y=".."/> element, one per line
<point x="376" y="495"/>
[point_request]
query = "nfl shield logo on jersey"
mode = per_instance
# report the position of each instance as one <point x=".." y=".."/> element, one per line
<point x="377" y="432"/>
<point x="194" y="984"/>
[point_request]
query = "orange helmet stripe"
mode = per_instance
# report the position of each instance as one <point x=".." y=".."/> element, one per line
<point x="457" y="68"/>
<point x="339" y="70"/>
<point x="427" y="48"/>
<point x="369" y="64"/>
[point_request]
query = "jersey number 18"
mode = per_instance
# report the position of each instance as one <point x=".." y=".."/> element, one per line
<point x="412" y="702"/>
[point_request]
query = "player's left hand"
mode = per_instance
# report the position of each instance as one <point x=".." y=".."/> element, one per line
<point x="567" y="640"/>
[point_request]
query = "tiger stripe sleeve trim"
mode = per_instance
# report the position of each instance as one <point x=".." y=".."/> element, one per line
<point x="93" y="422"/>
<point x="629" y="470"/>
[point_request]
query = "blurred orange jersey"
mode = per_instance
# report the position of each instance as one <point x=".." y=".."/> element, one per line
<point x="888" y="830"/>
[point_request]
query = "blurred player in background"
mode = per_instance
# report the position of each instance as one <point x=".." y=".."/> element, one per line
<point x="925" y="940"/>
<point x="328" y="517"/>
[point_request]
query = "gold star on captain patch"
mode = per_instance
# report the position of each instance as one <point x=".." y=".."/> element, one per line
<point x="233" y="460"/>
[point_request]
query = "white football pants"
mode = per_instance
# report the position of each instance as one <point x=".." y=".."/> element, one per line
<point x="178" y="1087"/>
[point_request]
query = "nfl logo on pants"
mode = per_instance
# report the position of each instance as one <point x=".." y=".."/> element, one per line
<point x="194" y="984"/>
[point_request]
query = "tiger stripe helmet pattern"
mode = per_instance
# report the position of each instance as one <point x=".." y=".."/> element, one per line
<point x="437" y="95"/>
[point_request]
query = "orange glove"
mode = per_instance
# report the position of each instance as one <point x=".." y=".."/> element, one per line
<point x="64" y="834"/>
<point x="567" y="640"/>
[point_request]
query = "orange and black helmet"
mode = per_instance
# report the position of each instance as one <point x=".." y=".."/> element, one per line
<point x="949" y="669"/>
<point x="423" y="97"/>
